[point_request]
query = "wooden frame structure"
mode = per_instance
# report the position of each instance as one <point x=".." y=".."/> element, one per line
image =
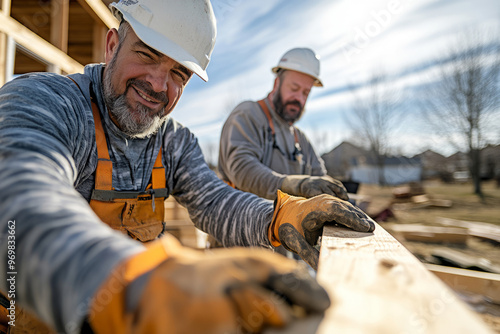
<point x="50" y="32"/>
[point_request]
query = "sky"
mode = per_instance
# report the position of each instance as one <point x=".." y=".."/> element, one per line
<point x="354" y="38"/>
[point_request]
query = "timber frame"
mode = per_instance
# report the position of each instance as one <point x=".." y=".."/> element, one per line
<point x="52" y="35"/>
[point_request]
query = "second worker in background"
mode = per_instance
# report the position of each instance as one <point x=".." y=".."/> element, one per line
<point x="260" y="148"/>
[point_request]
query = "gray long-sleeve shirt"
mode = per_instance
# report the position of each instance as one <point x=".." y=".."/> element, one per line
<point x="253" y="161"/>
<point x="48" y="157"/>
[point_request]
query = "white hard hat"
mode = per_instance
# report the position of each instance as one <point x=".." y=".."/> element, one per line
<point x="301" y="60"/>
<point x="183" y="30"/>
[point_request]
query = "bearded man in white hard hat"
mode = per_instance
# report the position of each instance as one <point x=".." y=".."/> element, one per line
<point x="260" y="148"/>
<point x="86" y="162"/>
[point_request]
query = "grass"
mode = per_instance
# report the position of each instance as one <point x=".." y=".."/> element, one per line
<point x="465" y="204"/>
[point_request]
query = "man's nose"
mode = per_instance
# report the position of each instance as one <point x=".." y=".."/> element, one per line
<point x="299" y="96"/>
<point x="158" y="81"/>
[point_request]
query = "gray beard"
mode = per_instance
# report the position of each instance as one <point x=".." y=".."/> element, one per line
<point x="148" y="123"/>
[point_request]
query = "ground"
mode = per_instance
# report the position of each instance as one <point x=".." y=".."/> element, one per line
<point x="465" y="206"/>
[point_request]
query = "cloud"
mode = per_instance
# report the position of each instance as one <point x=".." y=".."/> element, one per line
<point x="253" y="35"/>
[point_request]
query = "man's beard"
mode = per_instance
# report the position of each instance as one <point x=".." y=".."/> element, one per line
<point x="142" y="123"/>
<point x="280" y="108"/>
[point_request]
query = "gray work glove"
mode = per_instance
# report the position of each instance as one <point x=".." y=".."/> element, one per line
<point x="309" y="186"/>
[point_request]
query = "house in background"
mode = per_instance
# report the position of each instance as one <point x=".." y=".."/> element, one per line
<point x="349" y="162"/>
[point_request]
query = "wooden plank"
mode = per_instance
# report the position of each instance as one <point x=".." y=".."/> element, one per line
<point x="99" y="42"/>
<point x="59" y="19"/>
<point x="472" y="281"/>
<point x="6" y="4"/>
<point x="465" y="261"/>
<point x="377" y="286"/>
<point x="99" y="11"/>
<point x="37" y="45"/>
<point x="477" y="229"/>
<point x="3" y="58"/>
<point x="425" y="233"/>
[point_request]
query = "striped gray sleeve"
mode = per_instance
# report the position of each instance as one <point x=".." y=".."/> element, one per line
<point x="233" y="217"/>
<point x="62" y="251"/>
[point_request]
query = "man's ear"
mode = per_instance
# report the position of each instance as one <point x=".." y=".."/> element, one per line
<point x="275" y="87"/>
<point x="112" y="41"/>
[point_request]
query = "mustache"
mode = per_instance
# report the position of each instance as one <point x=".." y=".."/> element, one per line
<point x="295" y="103"/>
<point x="148" y="89"/>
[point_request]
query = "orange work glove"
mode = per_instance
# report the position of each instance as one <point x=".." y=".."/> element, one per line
<point x="172" y="289"/>
<point x="298" y="222"/>
<point x="309" y="186"/>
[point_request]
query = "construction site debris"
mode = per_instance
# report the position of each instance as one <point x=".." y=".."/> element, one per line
<point x="453" y="258"/>
<point x="432" y="234"/>
<point x="477" y="229"/>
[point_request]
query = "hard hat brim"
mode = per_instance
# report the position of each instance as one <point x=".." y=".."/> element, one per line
<point x="163" y="44"/>
<point x="317" y="81"/>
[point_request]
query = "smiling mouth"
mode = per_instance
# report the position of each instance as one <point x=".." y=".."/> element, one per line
<point x="145" y="97"/>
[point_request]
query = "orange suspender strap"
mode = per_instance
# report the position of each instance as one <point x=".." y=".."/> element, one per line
<point x="103" y="176"/>
<point x="263" y="106"/>
<point x="158" y="175"/>
<point x="104" y="171"/>
<point x="265" y="109"/>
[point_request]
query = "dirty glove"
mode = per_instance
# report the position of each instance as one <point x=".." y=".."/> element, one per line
<point x="298" y="222"/>
<point x="310" y="186"/>
<point x="172" y="289"/>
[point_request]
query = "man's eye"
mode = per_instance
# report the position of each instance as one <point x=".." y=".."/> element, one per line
<point x="144" y="54"/>
<point x="179" y="75"/>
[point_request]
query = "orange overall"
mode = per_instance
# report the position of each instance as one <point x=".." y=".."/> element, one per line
<point x="137" y="214"/>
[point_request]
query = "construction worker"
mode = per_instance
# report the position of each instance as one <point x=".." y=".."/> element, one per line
<point x="260" y="148"/>
<point x="82" y="153"/>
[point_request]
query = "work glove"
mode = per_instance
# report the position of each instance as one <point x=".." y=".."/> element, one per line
<point x="298" y="222"/>
<point x="172" y="289"/>
<point x="309" y="186"/>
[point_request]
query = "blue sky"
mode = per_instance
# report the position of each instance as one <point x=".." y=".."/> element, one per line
<point x="354" y="39"/>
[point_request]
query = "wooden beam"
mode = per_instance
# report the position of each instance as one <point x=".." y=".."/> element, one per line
<point x="98" y="10"/>
<point x="59" y="18"/>
<point x="99" y="42"/>
<point x="463" y="280"/>
<point x="38" y="45"/>
<point x="6" y="4"/>
<point x="377" y="286"/>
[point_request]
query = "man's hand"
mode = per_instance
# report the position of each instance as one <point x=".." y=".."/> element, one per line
<point x="309" y="186"/>
<point x="298" y="222"/>
<point x="172" y="289"/>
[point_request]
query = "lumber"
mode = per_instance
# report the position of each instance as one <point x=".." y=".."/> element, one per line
<point x="377" y="286"/>
<point x="425" y="233"/>
<point x="465" y="261"/>
<point x="472" y="281"/>
<point x="59" y="24"/>
<point x="99" y="12"/>
<point x="5" y="7"/>
<point x="476" y="229"/>
<point x="38" y="45"/>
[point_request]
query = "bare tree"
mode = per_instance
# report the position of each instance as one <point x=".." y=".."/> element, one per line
<point x="463" y="104"/>
<point x="374" y="117"/>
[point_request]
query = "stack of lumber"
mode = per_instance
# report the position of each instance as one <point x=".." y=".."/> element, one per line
<point x="178" y="223"/>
